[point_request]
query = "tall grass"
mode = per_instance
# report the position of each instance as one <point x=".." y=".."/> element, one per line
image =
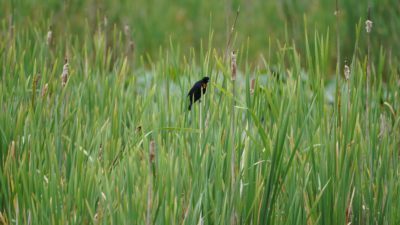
<point x="85" y="153"/>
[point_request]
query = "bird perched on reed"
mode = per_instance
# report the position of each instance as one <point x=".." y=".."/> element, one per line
<point x="198" y="89"/>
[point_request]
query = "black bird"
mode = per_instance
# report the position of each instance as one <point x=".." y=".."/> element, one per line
<point x="195" y="92"/>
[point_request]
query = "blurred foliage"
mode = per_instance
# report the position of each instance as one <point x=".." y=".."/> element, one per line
<point x="187" y="22"/>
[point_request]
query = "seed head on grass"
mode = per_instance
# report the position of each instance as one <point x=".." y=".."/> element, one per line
<point x="45" y="89"/>
<point x="65" y="73"/>
<point x="99" y="212"/>
<point x="152" y="151"/>
<point x="36" y="79"/>
<point x="127" y="30"/>
<point x="252" y="85"/>
<point x="368" y="26"/>
<point x="34" y="87"/>
<point x="105" y="21"/>
<point x="130" y="46"/>
<point x="138" y="129"/>
<point x="49" y="37"/>
<point x="346" y="71"/>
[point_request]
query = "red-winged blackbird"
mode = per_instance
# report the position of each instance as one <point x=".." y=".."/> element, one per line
<point x="195" y="92"/>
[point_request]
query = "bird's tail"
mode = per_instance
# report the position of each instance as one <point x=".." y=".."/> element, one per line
<point x="190" y="107"/>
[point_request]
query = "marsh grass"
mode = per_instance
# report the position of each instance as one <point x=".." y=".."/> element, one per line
<point x="75" y="154"/>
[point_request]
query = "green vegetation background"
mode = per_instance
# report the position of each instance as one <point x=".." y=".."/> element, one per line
<point x="187" y="22"/>
<point x="300" y="146"/>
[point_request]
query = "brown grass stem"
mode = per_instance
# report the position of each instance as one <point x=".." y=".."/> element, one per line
<point x="230" y="35"/>
<point x="152" y="154"/>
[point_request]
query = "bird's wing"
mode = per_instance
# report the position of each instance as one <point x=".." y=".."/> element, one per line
<point x="191" y="91"/>
<point x="197" y="85"/>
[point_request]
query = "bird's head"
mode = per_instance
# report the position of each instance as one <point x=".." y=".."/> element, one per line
<point x="205" y="79"/>
<point x="204" y="82"/>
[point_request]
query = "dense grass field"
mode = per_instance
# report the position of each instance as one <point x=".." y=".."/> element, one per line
<point x="94" y="126"/>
